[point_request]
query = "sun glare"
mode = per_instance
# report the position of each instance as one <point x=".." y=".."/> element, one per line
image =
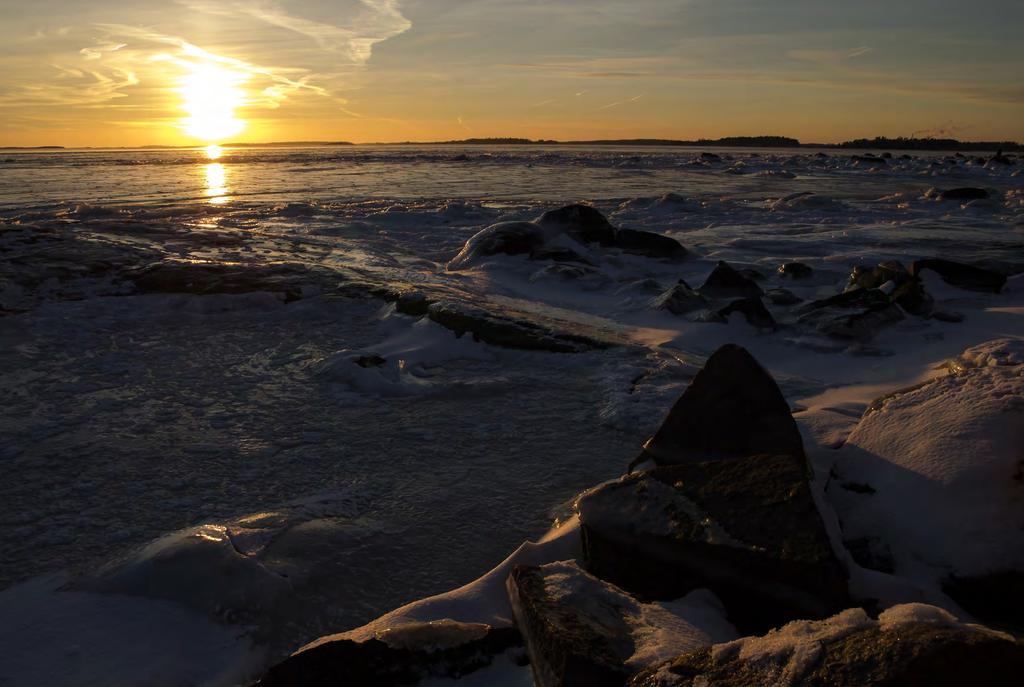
<point x="211" y="95"/>
<point x="214" y="152"/>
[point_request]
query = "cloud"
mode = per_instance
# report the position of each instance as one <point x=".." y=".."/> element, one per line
<point x="857" y="52"/>
<point x="369" y="23"/>
<point x="622" y="102"/>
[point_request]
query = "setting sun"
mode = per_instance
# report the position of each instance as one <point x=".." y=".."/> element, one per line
<point x="211" y="95"/>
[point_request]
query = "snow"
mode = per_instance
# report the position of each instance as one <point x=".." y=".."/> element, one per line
<point x="944" y="462"/>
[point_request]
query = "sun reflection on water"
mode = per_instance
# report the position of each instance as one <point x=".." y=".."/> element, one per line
<point x="216" y="183"/>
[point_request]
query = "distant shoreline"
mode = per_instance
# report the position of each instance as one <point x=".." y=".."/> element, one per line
<point x="878" y="143"/>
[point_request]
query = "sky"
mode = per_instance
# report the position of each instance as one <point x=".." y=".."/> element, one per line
<point x="183" y="72"/>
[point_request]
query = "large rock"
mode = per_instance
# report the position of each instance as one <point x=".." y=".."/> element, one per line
<point x="679" y="300"/>
<point x="938" y="476"/>
<point x="650" y="245"/>
<point x="966" y="193"/>
<point x="508" y="238"/>
<point x="746" y="528"/>
<point x="726" y="282"/>
<point x="857" y="314"/>
<point x="899" y="284"/>
<point x="581" y="631"/>
<point x="958" y="274"/>
<point x="732" y="408"/>
<point x="403" y="655"/>
<point x="913" y="644"/>
<point x="173" y="276"/>
<point x="753" y="312"/>
<point x="582" y="222"/>
<point x="500" y="330"/>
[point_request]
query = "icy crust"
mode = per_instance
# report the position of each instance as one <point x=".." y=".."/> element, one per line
<point x="654" y="632"/>
<point x="934" y="473"/>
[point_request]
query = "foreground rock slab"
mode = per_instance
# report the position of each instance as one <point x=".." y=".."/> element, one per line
<point x="580" y="630"/>
<point x="913" y="644"/>
<point x="746" y="528"/>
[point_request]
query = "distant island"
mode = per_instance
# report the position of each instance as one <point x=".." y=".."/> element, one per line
<point x="877" y="143"/>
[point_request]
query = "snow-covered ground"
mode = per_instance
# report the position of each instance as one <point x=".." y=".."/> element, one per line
<point x="214" y="475"/>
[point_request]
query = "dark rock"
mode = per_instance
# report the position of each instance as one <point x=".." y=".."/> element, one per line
<point x="558" y="255"/>
<point x="1000" y="160"/>
<point x="782" y="297"/>
<point x="580" y="630"/>
<point x="962" y="275"/>
<point x="726" y="282"/>
<point x="508" y="238"/>
<point x="732" y="407"/>
<point x="861" y="325"/>
<point x="650" y="244"/>
<point x="582" y="222"/>
<point x="853" y="298"/>
<point x="568" y="272"/>
<point x="710" y="157"/>
<point x="795" y="270"/>
<point x="871" y="553"/>
<point x="916" y="654"/>
<point x="887" y="156"/>
<point x="401" y="656"/>
<point x="751" y="274"/>
<point x="869" y="159"/>
<point x="370" y="361"/>
<point x="966" y="193"/>
<point x="753" y="310"/>
<point x="679" y="300"/>
<point x="746" y="528"/>
<point x="412" y="303"/>
<point x="997" y="598"/>
<point x="905" y="288"/>
<point x="500" y="330"/>
<point x="218" y="278"/>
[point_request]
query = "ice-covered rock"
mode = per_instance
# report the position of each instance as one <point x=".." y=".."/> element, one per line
<point x="582" y="222"/>
<point x="649" y="244"/>
<point x="679" y="300"/>
<point x="580" y="630"/>
<point x="959" y="274"/>
<point x="508" y="238"/>
<point x="912" y="644"/>
<point x="939" y="469"/>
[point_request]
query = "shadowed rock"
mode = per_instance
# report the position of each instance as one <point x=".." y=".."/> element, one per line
<point x="862" y="325"/>
<point x="782" y="297"/>
<point x="679" y="300"/>
<point x="962" y="275"/>
<point x="726" y="282"/>
<point x="795" y="270"/>
<point x="218" y="278"/>
<point x="649" y="244"/>
<point x="509" y="238"/>
<point x="732" y="407"/>
<point x="753" y="311"/>
<point x="505" y="331"/>
<point x="856" y="652"/>
<point x="966" y="193"/>
<point x="582" y="222"/>
<point x="401" y="656"/>
<point x="746" y="528"/>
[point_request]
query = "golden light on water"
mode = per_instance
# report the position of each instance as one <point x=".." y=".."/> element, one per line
<point x="211" y="94"/>
<point x="214" y="151"/>
<point x="216" y="183"/>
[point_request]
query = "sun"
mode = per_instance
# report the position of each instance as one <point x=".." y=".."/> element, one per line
<point x="211" y="94"/>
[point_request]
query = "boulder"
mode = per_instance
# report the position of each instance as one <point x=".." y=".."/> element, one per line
<point x="912" y="644"/>
<point x="941" y="465"/>
<point x="966" y="193"/>
<point x="679" y="300"/>
<point x="580" y="630"/>
<point x="746" y="528"/>
<point x="508" y="238"/>
<point x="861" y="325"/>
<point x="898" y="283"/>
<point x="710" y="157"/>
<point x="404" y="655"/>
<point x="650" y="244"/>
<point x="962" y="275"/>
<point x="732" y="407"/>
<point x="726" y="282"/>
<point x="172" y="276"/>
<point x="780" y="296"/>
<point x="753" y="311"/>
<point x="581" y="222"/>
<point x="795" y="270"/>
<point x="413" y="303"/>
<point x="501" y="330"/>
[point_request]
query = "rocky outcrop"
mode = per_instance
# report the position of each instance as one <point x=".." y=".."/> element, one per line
<point x="562" y="235"/>
<point x="912" y="644"/>
<point x="580" y="630"/>
<point x="732" y="408"/>
<point x="779" y="296"/>
<point x="200" y="278"/>
<point x="726" y="282"/>
<point x="959" y="274"/>
<point x="504" y="331"/>
<point x="746" y="528"/>
<point x="753" y="312"/>
<point x="795" y="270"/>
<point x="679" y="300"/>
<point x="404" y="655"/>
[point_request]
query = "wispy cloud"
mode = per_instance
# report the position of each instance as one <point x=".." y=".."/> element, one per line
<point x="622" y="102"/>
<point x="369" y="22"/>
